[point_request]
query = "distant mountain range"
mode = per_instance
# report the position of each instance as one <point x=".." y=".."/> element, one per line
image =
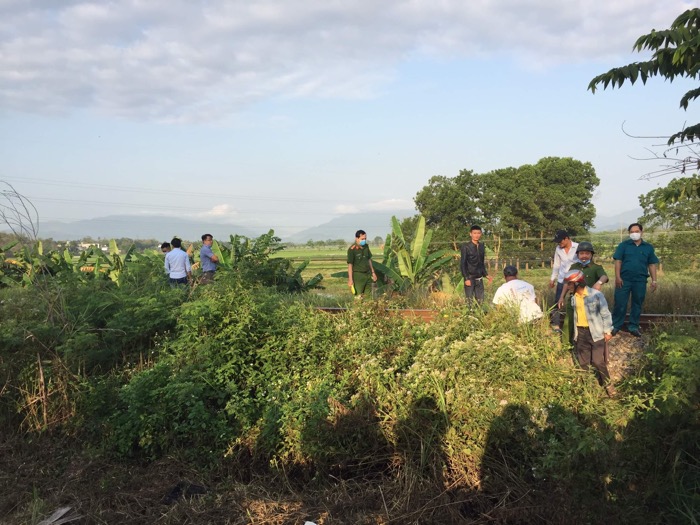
<point x="345" y="226"/>
<point x="163" y="228"/>
<point x="606" y="223"/>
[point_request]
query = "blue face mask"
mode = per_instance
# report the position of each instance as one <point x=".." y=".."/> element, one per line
<point x="585" y="263"/>
<point x="363" y="242"/>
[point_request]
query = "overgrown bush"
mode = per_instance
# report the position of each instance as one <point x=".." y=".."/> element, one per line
<point x="473" y="401"/>
<point x="61" y="329"/>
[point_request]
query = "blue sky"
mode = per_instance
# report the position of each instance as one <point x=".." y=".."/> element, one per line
<point x="287" y="114"/>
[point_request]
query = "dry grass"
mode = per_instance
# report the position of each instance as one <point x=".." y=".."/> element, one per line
<point x="42" y="475"/>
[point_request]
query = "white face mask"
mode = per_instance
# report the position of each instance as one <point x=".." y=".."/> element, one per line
<point x="635" y="236"/>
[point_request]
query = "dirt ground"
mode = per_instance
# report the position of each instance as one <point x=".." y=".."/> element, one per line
<point x="43" y="477"/>
<point x="625" y="352"/>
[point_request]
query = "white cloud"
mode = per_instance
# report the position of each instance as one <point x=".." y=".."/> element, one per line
<point x="344" y="209"/>
<point x="391" y="205"/>
<point x="220" y="211"/>
<point x="191" y="61"/>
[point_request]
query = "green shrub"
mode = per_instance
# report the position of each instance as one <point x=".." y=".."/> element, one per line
<point x="163" y="409"/>
<point x="661" y="452"/>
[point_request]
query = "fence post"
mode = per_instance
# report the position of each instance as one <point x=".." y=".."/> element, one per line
<point x="542" y="246"/>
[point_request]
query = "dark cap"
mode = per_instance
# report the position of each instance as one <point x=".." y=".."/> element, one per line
<point x="510" y="271"/>
<point x="585" y="246"/>
<point x="560" y="235"/>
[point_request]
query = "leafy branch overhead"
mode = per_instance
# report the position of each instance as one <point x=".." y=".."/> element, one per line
<point x="675" y="54"/>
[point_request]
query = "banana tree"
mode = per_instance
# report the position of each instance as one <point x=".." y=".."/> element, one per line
<point x="95" y="261"/>
<point x="10" y="268"/>
<point x="242" y="250"/>
<point x="28" y="263"/>
<point x="254" y="260"/>
<point x="409" y="265"/>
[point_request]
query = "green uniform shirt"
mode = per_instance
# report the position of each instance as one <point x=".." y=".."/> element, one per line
<point x="635" y="260"/>
<point x="359" y="257"/>
<point x="592" y="272"/>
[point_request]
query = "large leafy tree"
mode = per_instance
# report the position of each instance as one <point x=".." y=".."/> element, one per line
<point x="510" y="205"/>
<point x="531" y="200"/>
<point x="669" y="214"/>
<point x="564" y="192"/>
<point x="675" y="54"/>
<point x="450" y="204"/>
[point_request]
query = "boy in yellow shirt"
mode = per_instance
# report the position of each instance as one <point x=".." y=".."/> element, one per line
<point x="592" y="327"/>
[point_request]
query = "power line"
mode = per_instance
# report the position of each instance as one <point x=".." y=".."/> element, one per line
<point x="209" y="219"/>
<point x="154" y="191"/>
<point x="167" y="207"/>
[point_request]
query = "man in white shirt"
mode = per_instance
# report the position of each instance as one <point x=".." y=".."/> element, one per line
<point x="177" y="264"/>
<point x="564" y="257"/>
<point x="519" y="294"/>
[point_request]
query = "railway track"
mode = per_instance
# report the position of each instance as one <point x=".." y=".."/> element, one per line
<point x="645" y="321"/>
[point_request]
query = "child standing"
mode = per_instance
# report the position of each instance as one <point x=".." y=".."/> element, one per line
<point x="592" y="327"/>
<point x="594" y="275"/>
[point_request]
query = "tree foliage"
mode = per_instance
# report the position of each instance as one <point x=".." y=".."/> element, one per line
<point x="553" y="194"/>
<point x="663" y="209"/>
<point x="675" y="54"/>
<point x="448" y="204"/>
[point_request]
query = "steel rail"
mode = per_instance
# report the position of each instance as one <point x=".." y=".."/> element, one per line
<point x="645" y="320"/>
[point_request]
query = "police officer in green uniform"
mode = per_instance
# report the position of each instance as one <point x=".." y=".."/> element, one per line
<point x="635" y="261"/>
<point x="594" y="275"/>
<point x="360" y="264"/>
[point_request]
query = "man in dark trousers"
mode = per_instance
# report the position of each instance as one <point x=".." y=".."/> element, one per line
<point x="207" y="259"/>
<point x="594" y="274"/>
<point x="360" y="270"/>
<point x="473" y="267"/>
<point x="635" y="262"/>
<point x="592" y="327"/>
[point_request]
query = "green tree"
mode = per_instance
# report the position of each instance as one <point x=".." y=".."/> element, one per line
<point x="675" y="54"/>
<point x="671" y="214"/>
<point x="450" y="204"/>
<point x="564" y="192"/>
<point x="508" y="205"/>
<point x="530" y="200"/>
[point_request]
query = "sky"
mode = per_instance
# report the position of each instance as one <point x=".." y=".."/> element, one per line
<point x="288" y="114"/>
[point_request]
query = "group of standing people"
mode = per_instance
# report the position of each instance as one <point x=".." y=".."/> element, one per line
<point x="179" y="267"/>
<point x="591" y="324"/>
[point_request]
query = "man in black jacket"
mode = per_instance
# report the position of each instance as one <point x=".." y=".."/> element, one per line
<point x="473" y="267"/>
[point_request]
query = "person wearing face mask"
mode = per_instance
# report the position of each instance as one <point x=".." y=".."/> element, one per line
<point x="594" y="274"/>
<point x="360" y="265"/>
<point x="635" y="261"/>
